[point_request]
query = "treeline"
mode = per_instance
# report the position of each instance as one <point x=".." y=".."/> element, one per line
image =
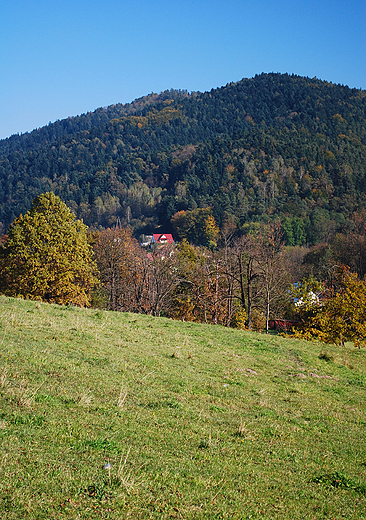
<point x="238" y="280"/>
<point x="241" y="284"/>
<point x="245" y="282"/>
<point x="274" y="146"/>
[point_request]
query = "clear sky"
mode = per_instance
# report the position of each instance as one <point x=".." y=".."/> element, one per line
<point x="61" y="58"/>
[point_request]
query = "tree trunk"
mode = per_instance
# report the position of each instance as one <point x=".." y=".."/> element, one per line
<point x="241" y="280"/>
<point x="249" y="294"/>
<point x="216" y="293"/>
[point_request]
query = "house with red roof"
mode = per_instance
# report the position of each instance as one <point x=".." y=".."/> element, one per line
<point x="156" y="240"/>
<point x="162" y="238"/>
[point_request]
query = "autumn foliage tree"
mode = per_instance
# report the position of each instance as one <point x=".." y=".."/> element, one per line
<point x="47" y="255"/>
<point x="198" y="226"/>
<point x="204" y="291"/>
<point x="135" y="280"/>
<point x="161" y="277"/>
<point x="341" y="314"/>
<point x="350" y="248"/>
<point x="117" y="252"/>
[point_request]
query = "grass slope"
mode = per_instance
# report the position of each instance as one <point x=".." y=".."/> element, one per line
<point x="195" y="421"/>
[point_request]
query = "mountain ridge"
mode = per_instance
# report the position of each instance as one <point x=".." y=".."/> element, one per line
<point x="272" y="146"/>
<point x="60" y="127"/>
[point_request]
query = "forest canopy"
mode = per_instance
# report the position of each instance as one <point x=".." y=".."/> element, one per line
<point x="273" y="146"/>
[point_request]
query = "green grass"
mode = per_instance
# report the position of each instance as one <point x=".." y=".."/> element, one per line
<point x="195" y="421"/>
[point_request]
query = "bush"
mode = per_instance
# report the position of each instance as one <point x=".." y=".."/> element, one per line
<point x="239" y="319"/>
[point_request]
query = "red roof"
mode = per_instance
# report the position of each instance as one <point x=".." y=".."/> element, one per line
<point x="162" y="238"/>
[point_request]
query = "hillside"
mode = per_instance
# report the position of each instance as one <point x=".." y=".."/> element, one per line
<point x="116" y="415"/>
<point x="271" y="146"/>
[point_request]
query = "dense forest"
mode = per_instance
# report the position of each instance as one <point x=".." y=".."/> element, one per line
<point x="273" y="146"/>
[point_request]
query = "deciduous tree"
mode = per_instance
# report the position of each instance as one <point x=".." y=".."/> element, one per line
<point x="270" y="259"/>
<point x="47" y="255"/>
<point x="341" y="315"/>
<point x="117" y="252"/>
<point x="198" y="226"/>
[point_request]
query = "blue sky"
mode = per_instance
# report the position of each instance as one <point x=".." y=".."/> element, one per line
<point x="63" y="58"/>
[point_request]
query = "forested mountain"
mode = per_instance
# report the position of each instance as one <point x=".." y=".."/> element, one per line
<point x="274" y="146"/>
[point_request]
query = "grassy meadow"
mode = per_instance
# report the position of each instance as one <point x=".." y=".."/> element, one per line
<point x="114" y="416"/>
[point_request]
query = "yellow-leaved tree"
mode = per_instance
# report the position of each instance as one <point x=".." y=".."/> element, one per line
<point x="47" y="255"/>
<point x="198" y="226"/>
<point x="340" y="315"/>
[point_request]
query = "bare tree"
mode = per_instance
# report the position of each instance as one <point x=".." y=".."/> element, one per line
<point x="116" y="251"/>
<point x="162" y="277"/>
<point x="271" y="266"/>
<point x="256" y="267"/>
<point x="242" y="271"/>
